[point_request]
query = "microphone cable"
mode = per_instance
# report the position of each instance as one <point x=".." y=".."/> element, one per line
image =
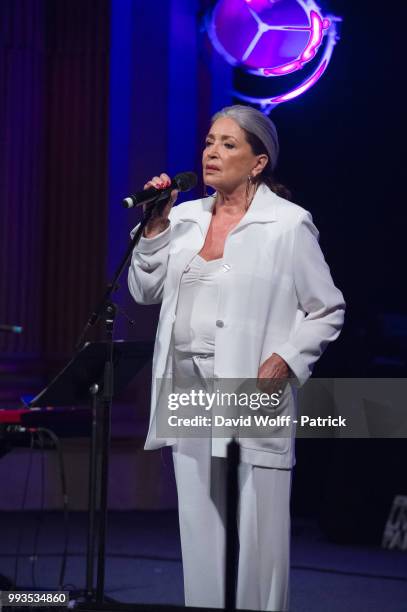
<point x="23" y="504"/>
<point x="34" y="555"/>
<point x="39" y="435"/>
<point x="43" y="431"/>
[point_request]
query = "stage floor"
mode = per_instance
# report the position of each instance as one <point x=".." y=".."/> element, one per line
<point x="144" y="562"/>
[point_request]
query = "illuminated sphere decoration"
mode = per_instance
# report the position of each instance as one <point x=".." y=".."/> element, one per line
<point x="274" y="38"/>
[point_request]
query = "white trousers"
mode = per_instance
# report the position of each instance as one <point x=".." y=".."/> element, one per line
<point x="263" y="524"/>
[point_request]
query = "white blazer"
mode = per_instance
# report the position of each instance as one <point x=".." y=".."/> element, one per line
<point x="276" y="296"/>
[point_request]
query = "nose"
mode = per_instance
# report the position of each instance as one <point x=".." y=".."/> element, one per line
<point x="212" y="151"/>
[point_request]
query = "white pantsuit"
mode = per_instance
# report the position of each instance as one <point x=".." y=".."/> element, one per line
<point x="275" y="294"/>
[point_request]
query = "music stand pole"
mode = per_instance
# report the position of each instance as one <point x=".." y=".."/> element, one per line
<point x="232" y="500"/>
<point x="106" y="406"/>
<point x="94" y="389"/>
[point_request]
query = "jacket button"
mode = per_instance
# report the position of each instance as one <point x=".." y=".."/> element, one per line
<point x="219" y="323"/>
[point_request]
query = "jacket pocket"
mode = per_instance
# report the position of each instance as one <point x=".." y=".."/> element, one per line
<point x="272" y="427"/>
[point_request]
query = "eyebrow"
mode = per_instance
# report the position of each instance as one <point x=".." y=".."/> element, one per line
<point x="223" y="137"/>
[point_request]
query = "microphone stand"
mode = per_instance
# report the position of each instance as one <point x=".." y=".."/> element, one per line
<point x="105" y="302"/>
<point x="107" y="310"/>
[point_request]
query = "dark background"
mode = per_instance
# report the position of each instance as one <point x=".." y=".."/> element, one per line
<point x="95" y="97"/>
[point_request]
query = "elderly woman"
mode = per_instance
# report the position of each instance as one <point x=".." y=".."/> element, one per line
<point x="246" y="293"/>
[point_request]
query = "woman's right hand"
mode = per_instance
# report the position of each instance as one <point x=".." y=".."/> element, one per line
<point x="158" y="221"/>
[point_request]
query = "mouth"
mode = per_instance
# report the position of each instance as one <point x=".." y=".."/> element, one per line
<point x="211" y="168"/>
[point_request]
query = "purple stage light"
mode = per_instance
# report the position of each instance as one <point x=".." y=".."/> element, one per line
<point x="273" y="38"/>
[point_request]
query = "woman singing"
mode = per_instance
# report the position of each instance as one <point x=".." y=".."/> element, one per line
<point x="246" y="294"/>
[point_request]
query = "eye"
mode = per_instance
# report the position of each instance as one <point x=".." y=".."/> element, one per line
<point x="229" y="145"/>
<point x="208" y="143"/>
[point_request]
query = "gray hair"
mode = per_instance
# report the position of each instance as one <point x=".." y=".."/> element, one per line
<point x="254" y="122"/>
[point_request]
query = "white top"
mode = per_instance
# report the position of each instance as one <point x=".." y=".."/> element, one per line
<point x="195" y="323"/>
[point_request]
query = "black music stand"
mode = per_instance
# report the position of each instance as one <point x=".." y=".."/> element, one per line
<point x="81" y="382"/>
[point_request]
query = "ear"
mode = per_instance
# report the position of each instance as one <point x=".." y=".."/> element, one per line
<point x="261" y="163"/>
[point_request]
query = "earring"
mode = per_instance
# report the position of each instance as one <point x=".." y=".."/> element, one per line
<point x="248" y="188"/>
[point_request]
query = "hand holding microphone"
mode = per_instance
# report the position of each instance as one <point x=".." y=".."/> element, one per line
<point x="159" y="194"/>
<point x="159" y="216"/>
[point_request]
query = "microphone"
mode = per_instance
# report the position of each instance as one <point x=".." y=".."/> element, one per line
<point x="183" y="182"/>
<point x="15" y="329"/>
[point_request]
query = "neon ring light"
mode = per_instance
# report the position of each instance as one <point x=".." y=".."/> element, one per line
<point x="273" y="38"/>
